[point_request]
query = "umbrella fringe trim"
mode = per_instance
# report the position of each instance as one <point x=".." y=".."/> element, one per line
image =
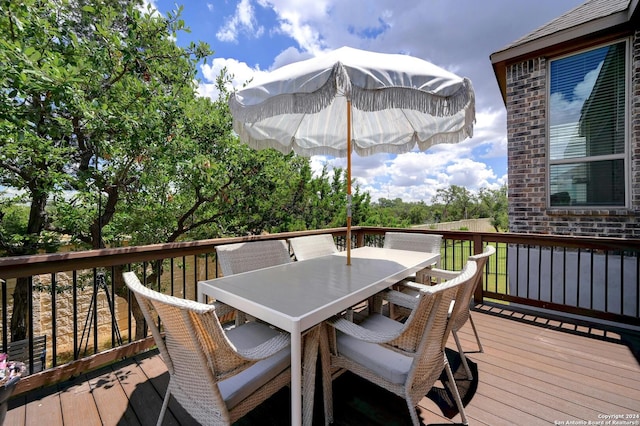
<point x="412" y="99"/>
<point x="294" y="103"/>
<point x="362" y="99"/>
<point x="441" y="138"/>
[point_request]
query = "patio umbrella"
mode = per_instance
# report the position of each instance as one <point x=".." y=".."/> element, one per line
<point x="354" y="100"/>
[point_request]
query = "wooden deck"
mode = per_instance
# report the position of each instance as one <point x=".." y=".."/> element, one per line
<point x="533" y="371"/>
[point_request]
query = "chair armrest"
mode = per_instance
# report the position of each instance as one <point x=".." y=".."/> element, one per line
<point x="223" y="309"/>
<point x="399" y="298"/>
<point x="266" y="349"/>
<point x="361" y="333"/>
<point x="441" y="273"/>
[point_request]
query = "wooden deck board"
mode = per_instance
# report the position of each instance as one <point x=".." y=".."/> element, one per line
<point x="111" y="400"/>
<point x="143" y="396"/>
<point x="533" y="371"/>
<point x="17" y="411"/>
<point x="561" y="369"/>
<point x="497" y="412"/>
<point x="157" y="372"/>
<point x="76" y="398"/>
<point x="43" y="407"/>
<point x="561" y="375"/>
<point x="564" y="403"/>
<point x="567" y="346"/>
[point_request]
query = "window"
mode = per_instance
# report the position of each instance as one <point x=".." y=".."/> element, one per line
<point x="588" y="128"/>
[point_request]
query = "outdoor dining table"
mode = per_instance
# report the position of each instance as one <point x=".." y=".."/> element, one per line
<point x="297" y="296"/>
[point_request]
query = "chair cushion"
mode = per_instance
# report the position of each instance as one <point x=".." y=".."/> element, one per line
<point x="384" y="362"/>
<point x="242" y="385"/>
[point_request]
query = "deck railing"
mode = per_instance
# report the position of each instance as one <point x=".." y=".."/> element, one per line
<point x="78" y="301"/>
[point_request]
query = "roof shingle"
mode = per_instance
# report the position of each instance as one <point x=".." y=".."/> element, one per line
<point x="586" y="12"/>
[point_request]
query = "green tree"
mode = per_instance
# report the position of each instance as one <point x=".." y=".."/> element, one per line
<point x="323" y="201"/>
<point x="89" y="92"/>
<point x="387" y="212"/>
<point x="449" y="204"/>
<point x="457" y="203"/>
<point x="418" y="213"/>
<point x="494" y="204"/>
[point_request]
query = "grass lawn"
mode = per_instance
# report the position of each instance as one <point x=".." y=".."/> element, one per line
<point x="456" y="253"/>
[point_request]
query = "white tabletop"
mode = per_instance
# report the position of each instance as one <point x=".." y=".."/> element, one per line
<point x="307" y="292"/>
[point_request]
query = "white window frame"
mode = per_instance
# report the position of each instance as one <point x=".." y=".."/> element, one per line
<point x="627" y="135"/>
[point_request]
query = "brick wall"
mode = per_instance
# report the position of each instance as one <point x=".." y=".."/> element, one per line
<point x="527" y="161"/>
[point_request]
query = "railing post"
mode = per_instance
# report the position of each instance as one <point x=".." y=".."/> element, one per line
<point x="478" y="295"/>
<point x="5" y="317"/>
<point x="359" y="238"/>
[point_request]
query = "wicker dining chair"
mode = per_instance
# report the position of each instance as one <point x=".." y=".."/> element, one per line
<point x="217" y="376"/>
<point x="404" y="358"/>
<point x="465" y="297"/>
<point x="311" y="246"/>
<point x="249" y="256"/>
<point x="243" y="257"/>
<point x="428" y="243"/>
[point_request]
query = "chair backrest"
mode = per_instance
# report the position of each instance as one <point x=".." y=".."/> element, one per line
<point x="194" y="347"/>
<point x="311" y="246"/>
<point x="433" y="305"/>
<point x="460" y="312"/>
<point x="428" y="243"/>
<point x="427" y="328"/>
<point x="249" y="256"/>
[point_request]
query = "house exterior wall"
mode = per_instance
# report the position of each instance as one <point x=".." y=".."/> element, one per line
<point x="526" y="89"/>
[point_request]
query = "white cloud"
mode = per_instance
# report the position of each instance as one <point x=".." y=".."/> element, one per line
<point x="288" y="56"/>
<point x="318" y="25"/>
<point x="469" y="174"/>
<point x="6" y="193"/>
<point x="489" y="138"/>
<point x="240" y="71"/>
<point x="243" y="21"/>
<point x="416" y="176"/>
<point x="565" y="110"/>
<point x="585" y="87"/>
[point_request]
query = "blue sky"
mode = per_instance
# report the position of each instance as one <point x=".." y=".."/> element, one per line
<point x="254" y="36"/>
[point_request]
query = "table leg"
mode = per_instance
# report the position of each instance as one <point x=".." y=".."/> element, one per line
<point x="296" y="378"/>
<point x="200" y="295"/>
<point x="310" y="343"/>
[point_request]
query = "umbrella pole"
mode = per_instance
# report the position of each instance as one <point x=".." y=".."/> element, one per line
<point x="348" y="181"/>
